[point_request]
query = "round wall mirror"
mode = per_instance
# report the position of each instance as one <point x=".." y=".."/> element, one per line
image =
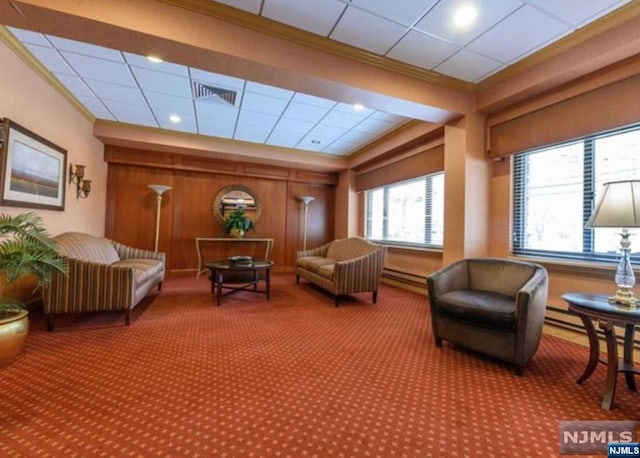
<point x="233" y="197"/>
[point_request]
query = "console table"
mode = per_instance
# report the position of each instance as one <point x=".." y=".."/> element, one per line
<point x="596" y="307"/>
<point x="200" y="240"/>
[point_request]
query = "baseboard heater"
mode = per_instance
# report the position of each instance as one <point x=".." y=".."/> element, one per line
<point x="564" y="319"/>
<point x="417" y="281"/>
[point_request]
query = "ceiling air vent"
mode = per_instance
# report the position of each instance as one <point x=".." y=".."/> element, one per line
<point x="212" y="94"/>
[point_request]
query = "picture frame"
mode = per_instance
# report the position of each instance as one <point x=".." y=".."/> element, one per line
<point x="33" y="169"/>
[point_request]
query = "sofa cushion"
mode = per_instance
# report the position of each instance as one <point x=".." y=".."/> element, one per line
<point x="327" y="271"/>
<point x="313" y="263"/>
<point x="85" y="247"/>
<point x="483" y="308"/>
<point x="354" y="247"/>
<point x="145" y="269"/>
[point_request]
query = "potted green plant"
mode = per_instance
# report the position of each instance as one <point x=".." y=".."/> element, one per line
<point x="237" y="223"/>
<point x="25" y="249"/>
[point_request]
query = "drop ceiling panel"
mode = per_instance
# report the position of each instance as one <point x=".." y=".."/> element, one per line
<point x="295" y="125"/>
<point x="75" y="85"/>
<point x="439" y="22"/>
<point x="326" y="133"/>
<point x="340" y="147"/>
<point x="216" y="127"/>
<point x="313" y="100"/>
<point x="576" y="12"/>
<point x="250" y="132"/>
<point x="107" y="91"/>
<point x="263" y="103"/>
<point x="469" y="66"/>
<point x="86" y="49"/>
<point x="271" y="91"/>
<point x="216" y="79"/>
<point x="406" y="12"/>
<point x="519" y="34"/>
<point x="165" y="67"/>
<point x="187" y="124"/>
<point x="374" y="126"/>
<point x="100" y="69"/>
<point x="132" y="114"/>
<point x="164" y="106"/>
<point x="27" y="36"/>
<point x="310" y="144"/>
<point x="356" y="26"/>
<point x="305" y="112"/>
<point x="296" y="13"/>
<point x="284" y="138"/>
<point x="217" y="111"/>
<point x="356" y="137"/>
<point x="338" y="118"/>
<point x="164" y="83"/>
<point x="361" y="111"/>
<point x="96" y="107"/>
<point x="262" y="120"/>
<point x="51" y="59"/>
<point x="422" y="50"/>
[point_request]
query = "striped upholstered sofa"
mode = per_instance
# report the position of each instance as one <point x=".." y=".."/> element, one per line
<point x="345" y="266"/>
<point x="102" y="275"/>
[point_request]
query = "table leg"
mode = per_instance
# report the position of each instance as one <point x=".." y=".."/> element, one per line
<point x="255" y="279"/>
<point x="267" y="277"/>
<point x="628" y="355"/>
<point x="594" y="349"/>
<point x="219" y="290"/>
<point x="612" y="364"/>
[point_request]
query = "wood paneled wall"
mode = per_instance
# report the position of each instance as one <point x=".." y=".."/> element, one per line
<point x="186" y="211"/>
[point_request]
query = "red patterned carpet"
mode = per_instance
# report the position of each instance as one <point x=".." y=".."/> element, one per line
<point x="290" y="377"/>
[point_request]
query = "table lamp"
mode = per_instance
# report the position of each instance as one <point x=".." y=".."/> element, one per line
<point x="619" y="207"/>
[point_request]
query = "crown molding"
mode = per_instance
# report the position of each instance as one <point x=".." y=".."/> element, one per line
<point x="25" y="55"/>
<point x="264" y="25"/>
<point x="590" y="31"/>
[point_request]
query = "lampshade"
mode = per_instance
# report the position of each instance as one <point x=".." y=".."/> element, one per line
<point x="619" y="205"/>
<point x="306" y="199"/>
<point x="159" y="188"/>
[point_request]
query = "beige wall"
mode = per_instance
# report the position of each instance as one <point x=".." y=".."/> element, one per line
<point x="32" y="102"/>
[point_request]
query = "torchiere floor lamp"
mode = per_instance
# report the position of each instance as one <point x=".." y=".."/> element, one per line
<point x="306" y="200"/>
<point x="159" y="189"/>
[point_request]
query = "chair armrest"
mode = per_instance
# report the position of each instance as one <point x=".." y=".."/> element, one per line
<point x="450" y="278"/>
<point x="89" y="286"/>
<point x="532" y="297"/>
<point x="319" y="251"/>
<point x="359" y="274"/>
<point x="127" y="252"/>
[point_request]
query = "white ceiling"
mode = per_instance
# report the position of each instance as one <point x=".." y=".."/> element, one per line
<point x="422" y="33"/>
<point x="128" y="88"/>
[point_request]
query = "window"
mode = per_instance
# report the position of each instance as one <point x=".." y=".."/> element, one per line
<point x="407" y="213"/>
<point x="555" y="190"/>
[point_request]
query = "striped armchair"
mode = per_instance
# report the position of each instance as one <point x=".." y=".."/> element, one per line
<point x="102" y="275"/>
<point x="345" y="266"/>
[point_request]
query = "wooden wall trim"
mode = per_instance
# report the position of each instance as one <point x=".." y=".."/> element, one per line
<point x="130" y="156"/>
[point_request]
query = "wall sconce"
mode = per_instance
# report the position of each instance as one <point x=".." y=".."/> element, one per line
<point x="83" y="187"/>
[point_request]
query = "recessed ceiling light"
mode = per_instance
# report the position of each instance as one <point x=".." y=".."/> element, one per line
<point x="358" y="106"/>
<point x="154" y="59"/>
<point x="315" y="142"/>
<point x="175" y="119"/>
<point x="465" y="16"/>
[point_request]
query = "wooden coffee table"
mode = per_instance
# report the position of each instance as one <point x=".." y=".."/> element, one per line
<point x="596" y="307"/>
<point x="224" y="274"/>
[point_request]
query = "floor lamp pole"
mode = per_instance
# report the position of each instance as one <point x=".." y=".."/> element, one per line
<point x="306" y="200"/>
<point x="159" y="189"/>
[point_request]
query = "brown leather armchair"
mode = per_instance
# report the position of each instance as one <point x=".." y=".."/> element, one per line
<point x="490" y="305"/>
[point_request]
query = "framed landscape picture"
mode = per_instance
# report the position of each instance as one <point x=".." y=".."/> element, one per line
<point x="33" y="169"/>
